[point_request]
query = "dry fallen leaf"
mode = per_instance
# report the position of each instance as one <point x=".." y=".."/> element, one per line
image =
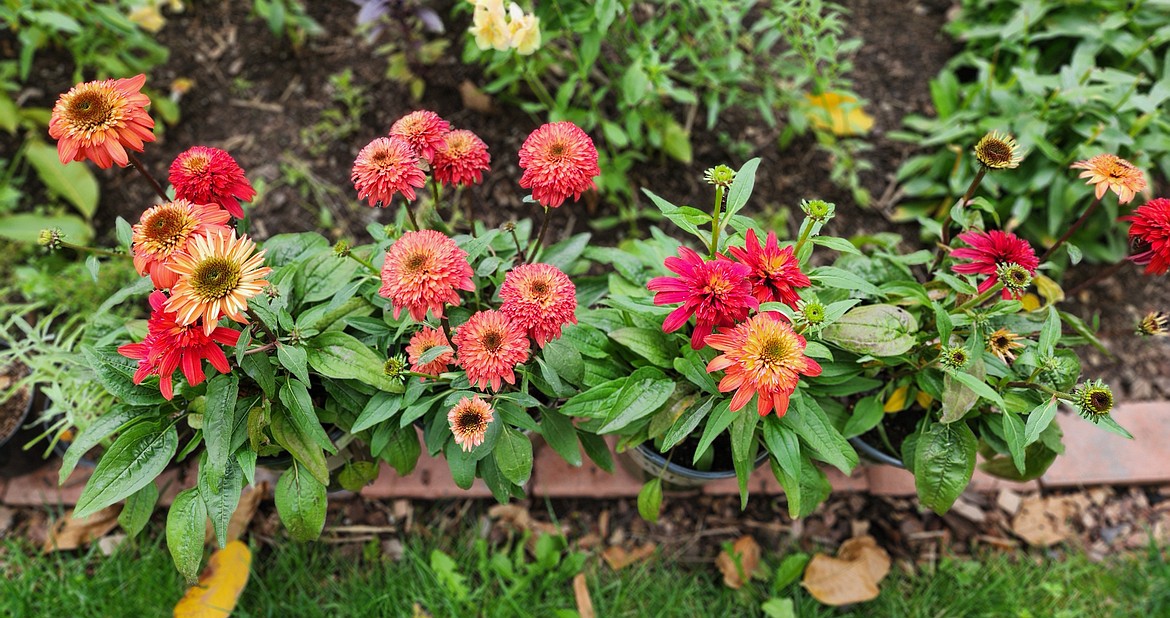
<point x="474" y="99"/>
<point x="741" y="564"/>
<point x="618" y="558"/>
<point x="417" y="611"/>
<point x="841" y="114"/>
<point x="851" y="577"/>
<point x="219" y="586"/>
<point x="1042" y="522"/>
<point x="584" y="601"/>
<point x="70" y="533"/>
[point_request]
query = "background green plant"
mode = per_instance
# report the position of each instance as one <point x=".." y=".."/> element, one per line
<point x="639" y="76"/>
<point x="1070" y="80"/>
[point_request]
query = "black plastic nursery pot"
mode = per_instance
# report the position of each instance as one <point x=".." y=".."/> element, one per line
<point x="874" y="454"/>
<point x="14" y="433"/>
<point x="678" y="476"/>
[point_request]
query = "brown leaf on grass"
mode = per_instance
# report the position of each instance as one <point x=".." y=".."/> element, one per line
<point x="519" y="519"/>
<point x="584" y="601"/>
<point x="474" y="99"/>
<point x="741" y="564"/>
<point x="618" y="558"/>
<point x="71" y="533"/>
<point x="417" y="611"/>
<point x="220" y="584"/>
<point x="851" y="577"/>
<point x="1043" y="522"/>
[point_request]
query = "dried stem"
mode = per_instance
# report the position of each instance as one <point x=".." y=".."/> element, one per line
<point x="137" y="163"/>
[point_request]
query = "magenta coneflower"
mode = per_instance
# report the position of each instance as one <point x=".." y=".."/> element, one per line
<point x="988" y="250"/>
<point x="717" y="292"/>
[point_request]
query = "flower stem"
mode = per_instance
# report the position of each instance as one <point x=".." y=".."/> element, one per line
<point x="945" y="241"/>
<point x="271" y="335"/>
<point x="369" y="266"/>
<point x="716" y="224"/>
<point x="1072" y="230"/>
<point x="137" y="163"/>
<point x="1040" y="387"/>
<point x="516" y="239"/>
<point x="539" y="237"/>
<point x="446" y="323"/>
<point x="410" y="215"/>
<point x="93" y="250"/>
<point x="804" y="234"/>
<point x="981" y="298"/>
<point x="261" y="348"/>
<point x="538" y="88"/>
<point x="435" y="192"/>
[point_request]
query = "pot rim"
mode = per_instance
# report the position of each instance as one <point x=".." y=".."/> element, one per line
<point x="874" y="454"/>
<point x="659" y="461"/>
<point x="31" y="394"/>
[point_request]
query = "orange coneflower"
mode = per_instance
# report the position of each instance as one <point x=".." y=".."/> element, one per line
<point x="1109" y="171"/>
<point x="469" y="421"/>
<point x="217" y="275"/>
<point x="98" y="120"/>
<point x="386" y="166"/>
<point x="424" y="130"/>
<point x="559" y="160"/>
<point x="211" y="176"/>
<point x="488" y="347"/>
<point x="462" y="159"/>
<point x="540" y="299"/>
<point x="423" y="270"/>
<point x="165" y="230"/>
<point x="423" y="341"/>
<point x="761" y="356"/>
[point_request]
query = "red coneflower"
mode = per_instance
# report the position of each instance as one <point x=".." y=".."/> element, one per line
<point x="424" y="130"/>
<point x="558" y="160"/>
<point x="488" y="347"/>
<point x="423" y="270"/>
<point x="207" y="175"/>
<point x="461" y="160"/>
<point x="1109" y="171"/>
<point x="540" y="299"/>
<point x="717" y="292"/>
<point x="217" y="275"/>
<point x="165" y="230"/>
<point x="386" y="166"/>
<point x="990" y="249"/>
<point x="761" y="356"/>
<point x="775" y="271"/>
<point x="98" y="120"/>
<point x="469" y="421"/>
<point x="169" y="346"/>
<point x="1149" y="231"/>
<point x="423" y="341"/>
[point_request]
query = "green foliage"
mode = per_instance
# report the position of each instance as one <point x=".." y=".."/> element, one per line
<point x="342" y="120"/>
<point x="1069" y="80"/>
<point x="638" y="77"/>
<point x="287" y="18"/>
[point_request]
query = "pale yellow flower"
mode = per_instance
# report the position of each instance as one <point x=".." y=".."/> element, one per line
<point x="489" y="25"/>
<point x="524" y="29"/>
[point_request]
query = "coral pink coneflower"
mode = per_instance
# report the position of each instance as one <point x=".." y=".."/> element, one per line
<point x="717" y="292"/>
<point x="761" y="356"/>
<point x="559" y="160"/>
<point x="775" y="271"/>
<point x="469" y="421"/>
<point x="207" y="175"/>
<point x="169" y="346"/>
<point x="165" y="230"/>
<point x="424" y="130"/>
<point x="539" y="298"/>
<point x="217" y="275"/>
<point x="1109" y="171"/>
<point x="461" y="160"/>
<point x="1149" y="231"/>
<point x="488" y="347"/>
<point x="423" y="270"/>
<point x="990" y="249"/>
<point x="423" y="341"/>
<point x="99" y="120"/>
<point x="386" y="166"/>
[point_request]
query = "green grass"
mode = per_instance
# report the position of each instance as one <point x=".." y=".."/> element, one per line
<point x="319" y="580"/>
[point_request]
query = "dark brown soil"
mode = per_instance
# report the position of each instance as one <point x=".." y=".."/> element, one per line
<point x="15" y="408"/>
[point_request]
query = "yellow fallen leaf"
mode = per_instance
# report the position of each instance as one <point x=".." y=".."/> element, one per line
<point x="148" y="17"/>
<point x="924" y="399"/>
<point x="1030" y="301"/>
<point x="851" y="577"/>
<point x="839" y="113"/>
<point x="897" y="400"/>
<point x="71" y="533"/>
<point x="219" y="586"/>
<point x="1049" y="289"/>
<point x="741" y="564"/>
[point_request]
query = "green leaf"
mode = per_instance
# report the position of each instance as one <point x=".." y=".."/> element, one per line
<point x="691" y="365"/>
<point x="433" y="353"/>
<point x="809" y="422"/>
<point x="139" y="455"/>
<point x="1108" y="423"/>
<point x="500" y="487"/>
<point x="650" y="500"/>
<point x="676" y="143"/>
<point x="1049" y="334"/>
<point x="804" y="492"/>
<point x="741" y="188"/>
<point x="356" y="475"/>
<point x="944" y="460"/>
<point x="837" y="244"/>
<point x="743" y="451"/>
<point x="138" y="509"/>
<point x="565" y="360"/>
<point x="685" y="424"/>
<point x="979" y="387"/>
<point x="718" y="421"/>
<point x="783" y="444"/>
<point x="259" y="368"/>
<point x="101" y="428"/>
<point x="643" y="393"/>
<point x="957" y="399"/>
<point x="335" y="354"/>
<point x="867" y="414"/>
<point x="295" y="397"/>
<point x="1038" y="420"/>
<point x="186" y="526"/>
<point x="1013" y="434"/>
<point x="381" y="407"/>
<point x="295" y="359"/>
<point x="943" y="321"/>
<point x="403" y="450"/>
<point x="219" y="419"/>
<point x="74" y="182"/>
<point x="649" y="343"/>
<point x="513" y="454"/>
<point x="561" y="435"/>
<point x="563" y="254"/>
<point x="596" y="449"/>
<point x="833" y="277"/>
<point x="300" y="502"/>
<point x="116" y="374"/>
<point x="880" y="330"/>
<point x="790" y="570"/>
<point x="26" y="228"/>
<point x="221" y="497"/>
<point x="302" y="448"/>
<point x="323" y="275"/>
<point x="462" y="465"/>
